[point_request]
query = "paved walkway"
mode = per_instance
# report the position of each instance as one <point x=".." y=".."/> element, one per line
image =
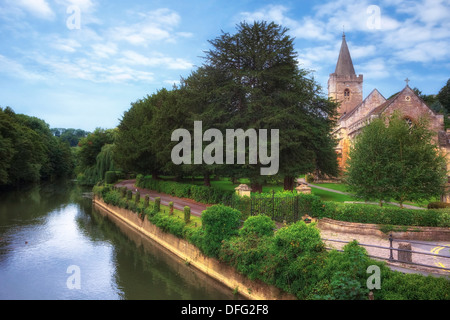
<point x="430" y="247"/>
<point x="178" y="203"/>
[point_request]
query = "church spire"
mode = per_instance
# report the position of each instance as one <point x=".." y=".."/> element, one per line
<point x="344" y="65"/>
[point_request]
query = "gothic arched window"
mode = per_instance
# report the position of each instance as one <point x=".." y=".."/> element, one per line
<point x="409" y="121"/>
<point x="347" y="94"/>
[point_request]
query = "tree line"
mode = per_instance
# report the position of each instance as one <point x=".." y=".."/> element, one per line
<point x="30" y="152"/>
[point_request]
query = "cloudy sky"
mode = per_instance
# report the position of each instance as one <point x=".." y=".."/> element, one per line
<point x="80" y="63"/>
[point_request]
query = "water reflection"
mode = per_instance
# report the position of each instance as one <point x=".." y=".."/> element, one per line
<point x="46" y="229"/>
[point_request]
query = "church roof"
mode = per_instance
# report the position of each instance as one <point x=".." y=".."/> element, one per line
<point x="349" y="114"/>
<point x="379" y="110"/>
<point x="344" y="65"/>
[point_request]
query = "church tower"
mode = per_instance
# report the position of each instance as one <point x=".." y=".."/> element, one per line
<point x="344" y="86"/>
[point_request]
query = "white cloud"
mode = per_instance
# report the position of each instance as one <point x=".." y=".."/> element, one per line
<point x="104" y="50"/>
<point x="38" y="8"/>
<point x="154" y="60"/>
<point x="307" y="28"/>
<point x="67" y="45"/>
<point x="154" y="26"/>
<point x="374" y="69"/>
<point x="16" y="69"/>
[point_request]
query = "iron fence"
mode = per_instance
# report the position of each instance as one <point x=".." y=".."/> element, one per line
<point x="280" y="207"/>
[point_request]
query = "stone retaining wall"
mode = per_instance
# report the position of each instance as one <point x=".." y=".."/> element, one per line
<point x="412" y="233"/>
<point x="187" y="252"/>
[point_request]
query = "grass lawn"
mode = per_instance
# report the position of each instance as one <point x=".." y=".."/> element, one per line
<point x="335" y="186"/>
<point x="226" y="185"/>
<point x="332" y="196"/>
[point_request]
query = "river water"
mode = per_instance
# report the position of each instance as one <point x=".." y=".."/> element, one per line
<point x="54" y="245"/>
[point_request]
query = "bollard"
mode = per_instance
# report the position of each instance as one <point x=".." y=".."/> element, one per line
<point x="404" y="256"/>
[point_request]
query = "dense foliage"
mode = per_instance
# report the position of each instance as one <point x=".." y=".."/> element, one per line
<point x="95" y="156"/>
<point x="392" y="159"/>
<point x="201" y="194"/>
<point x="29" y="152"/>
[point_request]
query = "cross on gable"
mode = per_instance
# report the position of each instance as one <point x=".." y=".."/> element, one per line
<point x="407" y="81"/>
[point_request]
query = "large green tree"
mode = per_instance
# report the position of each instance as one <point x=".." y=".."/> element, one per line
<point x="133" y="150"/>
<point x="256" y="83"/>
<point x="392" y="159"/>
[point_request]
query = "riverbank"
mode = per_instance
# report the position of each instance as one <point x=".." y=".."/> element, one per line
<point x="188" y="253"/>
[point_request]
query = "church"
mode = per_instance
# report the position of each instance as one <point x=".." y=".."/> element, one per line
<point x="346" y="88"/>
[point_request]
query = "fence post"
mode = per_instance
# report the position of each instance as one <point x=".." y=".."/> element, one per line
<point x="273" y="204"/>
<point x="251" y="204"/>
<point x="391" y="256"/>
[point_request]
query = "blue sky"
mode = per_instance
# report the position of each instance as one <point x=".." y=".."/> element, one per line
<point x="80" y="63"/>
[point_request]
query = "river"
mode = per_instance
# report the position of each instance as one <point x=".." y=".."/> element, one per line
<point x="54" y="245"/>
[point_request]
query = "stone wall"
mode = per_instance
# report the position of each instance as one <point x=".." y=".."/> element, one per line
<point x="187" y="252"/>
<point x="412" y="233"/>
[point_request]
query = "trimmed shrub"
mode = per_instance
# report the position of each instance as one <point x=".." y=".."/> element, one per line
<point x="220" y="223"/>
<point x="146" y="201"/>
<point x="257" y="225"/>
<point x="137" y="198"/>
<point x="203" y="194"/>
<point x="386" y="215"/>
<point x="157" y="206"/>
<point x="187" y="214"/>
<point x="129" y="195"/>
<point x="123" y="192"/>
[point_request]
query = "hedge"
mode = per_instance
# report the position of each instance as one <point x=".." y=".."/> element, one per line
<point x="384" y="215"/>
<point x="203" y="194"/>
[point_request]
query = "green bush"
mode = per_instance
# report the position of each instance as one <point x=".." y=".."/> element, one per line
<point x="187" y="214"/>
<point x="169" y="224"/>
<point x="137" y="198"/>
<point x="385" y="215"/>
<point x="129" y="194"/>
<point x="203" y="194"/>
<point x="110" y="177"/>
<point x="220" y="223"/>
<point x="123" y="192"/>
<point x="157" y="206"/>
<point x="297" y="238"/>
<point x="257" y="225"/>
<point x="146" y="201"/>
<point x="251" y="255"/>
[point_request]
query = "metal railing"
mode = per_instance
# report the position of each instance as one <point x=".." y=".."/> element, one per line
<point x="391" y="249"/>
